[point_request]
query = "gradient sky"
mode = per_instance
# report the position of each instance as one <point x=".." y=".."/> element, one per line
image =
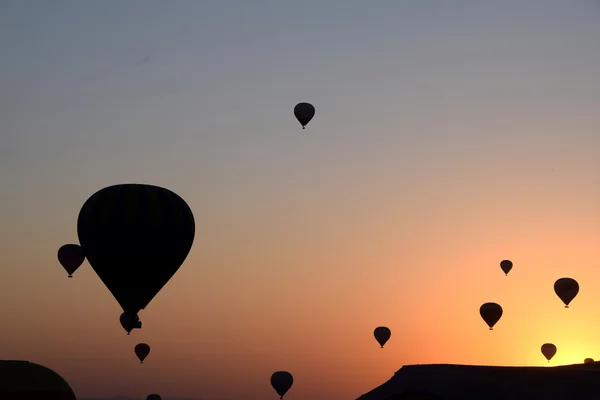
<point x="447" y="137"/>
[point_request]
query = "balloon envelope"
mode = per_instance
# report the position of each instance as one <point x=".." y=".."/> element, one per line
<point x="71" y="257"/>
<point x="491" y="313"/>
<point x="566" y="289"/>
<point x="129" y="322"/>
<point x="382" y="335"/>
<point x="506" y="266"/>
<point x="588" y="361"/>
<point x="135" y="237"/>
<point x="548" y="350"/>
<point x="153" y="397"/>
<point x="304" y="112"/>
<point x="282" y="382"/>
<point x="141" y="351"/>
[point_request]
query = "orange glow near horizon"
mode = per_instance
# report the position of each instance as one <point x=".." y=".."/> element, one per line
<point x="310" y="308"/>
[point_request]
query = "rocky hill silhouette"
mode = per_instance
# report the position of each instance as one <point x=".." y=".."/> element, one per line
<point x="466" y="382"/>
<point x="135" y="398"/>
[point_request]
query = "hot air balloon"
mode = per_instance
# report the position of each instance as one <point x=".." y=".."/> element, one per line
<point x="566" y="289"/>
<point x="135" y="237"/>
<point x="141" y="351"/>
<point x="506" y="266"/>
<point x="304" y="112"/>
<point x="548" y="350"/>
<point x="153" y="397"/>
<point x="130" y="322"/>
<point x="382" y="335"/>
<point x="588" y="361"/>
<point x="282" y="382"/>
<point x="491" y="313"/>
<point x="71" y="257"/>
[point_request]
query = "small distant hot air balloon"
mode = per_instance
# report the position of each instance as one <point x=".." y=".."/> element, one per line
<point x="282" y="381"/>
<point x="506" y="266"/>
<point x="566" y="289"/>
<point x="130" y="322"/>
<point x="71" y="257"/>
<point x="491" y="314"/>
<point x="141" y="351"/>
<point x="588" y="361"/>
<point x="548" y="350"/>
<point x="304" y="112"/>
<point x="153" y="397"/>
<point x="382" y="335"/>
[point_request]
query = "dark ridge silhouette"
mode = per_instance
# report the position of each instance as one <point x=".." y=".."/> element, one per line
<point x="109" y="398"/>
<point x="473" y="382"/>
<point x="23" y="380"/>
<point x="415" y="395"/>
<point x="132" y="398"/>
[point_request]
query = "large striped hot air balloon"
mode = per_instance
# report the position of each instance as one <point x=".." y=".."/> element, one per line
<point x="20" y="380"/>
<point x="135" y="237"/>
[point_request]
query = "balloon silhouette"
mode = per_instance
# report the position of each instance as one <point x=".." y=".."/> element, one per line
<point x="566" y="289"/>
<point x="382" y="335"/>
<point x="135" y="237"/>
<point x="282" y="381"/>
<point x="588" y="361"/>
<point x="491" y="314"/>
<point x="141" y="351"/>
<point x="130" y="322"/>
<point x="304" y="112"/>
<point x="153" y="397"/>
<point x="506" y="266"/>
<point x="548" y="350"/>
<point x="71" y="257"/>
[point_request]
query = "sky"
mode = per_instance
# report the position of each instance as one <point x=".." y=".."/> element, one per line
<point x="448" y="136"/>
